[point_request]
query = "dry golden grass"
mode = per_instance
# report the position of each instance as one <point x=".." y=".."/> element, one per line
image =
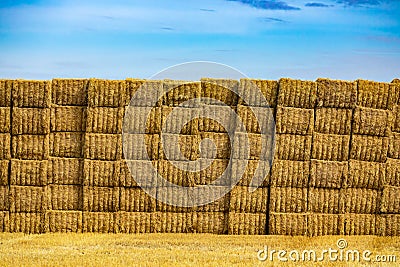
<point x="170" y="249"/>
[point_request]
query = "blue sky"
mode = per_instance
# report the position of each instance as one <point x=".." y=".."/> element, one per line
<point x="339" y="39"/>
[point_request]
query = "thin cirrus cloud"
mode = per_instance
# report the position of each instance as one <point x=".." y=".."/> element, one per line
<point x="268" y="5"/>
<point x="360" y="2"/>
<point x="317" y="5"/>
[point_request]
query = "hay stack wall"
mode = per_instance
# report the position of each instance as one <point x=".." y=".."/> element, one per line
<point x="336" y="167"/>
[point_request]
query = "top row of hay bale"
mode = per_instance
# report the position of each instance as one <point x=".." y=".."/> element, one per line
<point x="118" y="93"/>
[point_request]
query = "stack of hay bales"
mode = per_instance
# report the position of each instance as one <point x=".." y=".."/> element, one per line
<point x="329" y="165"/>
<point x="362" y="192"/>
<point x="65" y="168"/>
<point x="248" y="204"/>
<point x="390" y="205"/>
<point x="291" y="166"/>
<point x="30" y="128"/>
<point x="137" y="209"/>
<point x="5" y="152"/>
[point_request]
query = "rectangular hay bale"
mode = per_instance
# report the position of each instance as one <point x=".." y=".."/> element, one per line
<point x="67" y="171"/>
<point x="65" y="197"/>
<point x="67" y="144"/>
<point x="360" y="200"/>
<point x="133" y="222"/>
<point x="176" y="172"/>
<point x="170" y="222"/>
<point x="101" y="173"/>
<point x="31" y="94"/>
<point x="319" y="224"/>
<point x="390" y="200"/>
<point x="210" y="223"/>
<point x="99" y="222"/>
<point x="63" y="221"/>
<point x="389" y="224"/>
<point x="4" y="165"/>
<point x="250" y="172"/>
<point x="392" y="172"/>
<point x="291" y="120"/>
<point x="185" y="147"/>
<point x="328" y="174"/>
<point x="105" y="120"/>
<point x="241" y="200"/>
<point x="293" y="147"/>
<point x="27" y="199"/>
<point x="376" y="95"/>
<point x="247" y="223"/>
<point x="143" y="93"/>
<point x="176" y="93"/>
<point x="103" y="146"/>
<point x="333" y="121"/>
<point x="143" y="147"/>
<point x="297" y="94"/>
<point x="5" y="92"/>
<point x="330" y="147"/>
<point x="136" y="122"/>
<point x="5" y="141"/>
<point x="106" y="93"/>
<point x="4" y="201"/>
<point x="68" y="119"/>
<point x="394" y="146"/>
<point x="136" y="199"/>
<point x="4" y="221"/>
<point x="134" y="171"/>
<point x="255" y="120"/>
<point x="364" y="174"/>
<point x="30" y="121"/>
<point x="219" y="91"/>
<point x="288" y="199"/>
<point x="250" y="89"/>
<point x="217" y="169"/>
<point x="370" y="121"/>
<point x="214" y="198"/>
<point x="5" y="120"/>
<point x="369" y="148"/>
<point x="336" y="93"/>
<point x="35" y="147"/>
<point x="360" y="224"/>
<point x="181" y="201"/>
<point x="28" y="223"/>
<point x="100" y="199"/>
<point x="289" y="173"/>
<point x="69" y="92"/>
<point x="324" y="200"/>
<point x="222" y="143"/>
<point x="28" y="172"/>
<point x="179" y="120"/>
<point x="260" y="147"/>
<point x="292" y="224"/>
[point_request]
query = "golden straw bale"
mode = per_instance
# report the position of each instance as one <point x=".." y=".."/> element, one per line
<point x="28" y="172"/>
<point x="319" y="224"/>
<point x="5" y="141"/>
<point x="369" y="148"/>
<point x="336" y="93"/>
<point x="65" y="197"/>
<point x="28" y="223"/>
<point x="69" y="92"/>
<point x="27" y="199"/>
<point x="5" y="92"/>
<point x="35" y="147"/>
<point x="5" y="117"/>
<point x="250" y="202"/>
<point x="259" y="170"/>
<point x="30" y="121"/>
<point x="297" y="94"/>
<point x="67" y="144"/>
<point x="178" y="120"/>
<point x="333" y="121"/>
<point x="330" y="147"/>
<point x="210" y="222"/>
<point x="210" y="173"/>
<point x="177" y="92"/>
<point x="328" y="174"/>
<point x="66" y="171"/>
<point x="104" y="120"/>
<point x="100" y="199"/>
<point x="219" y="91"/>
<point x="370" y="121"/>
<point x="377" y="95"/>
<point x="99" y="222"/>
<point x="391" y="200"/>
<point x="132" y="171"/>
<point x="103" y="146"/>
<point x="106" y="93"/>
<point x="293" y="224"/>
<point x="142" y="147"/>
<point x="293" y="147"/>
<point x="360" y="200"/>
<point x="101" y="173"/>
<point x="324" y="200"/>
<point x="180" y="147"/>
<point x="4" y="165"/>
<point x="68" y="119"/>
<point x="31" y="94"/>
<point x="4" y="221"/>
<point x="63" y="221"/>
<point x="394" y="146"/>
<point x="142" y="93"/>
<point x="4" y="201"/>
<point x="170" y="222"/>
<point x="133" y="222"/>
<point x="260" y="147"/>
<point x="389" y="224"/>
<point x="360" y="224"/>
<point x="364" y="174"/>
<point x="392" y="172"/>
<point x="288" y="199"/>
<point x="135" y="199"/>
<point x="255" y="119"/>
<point x="294" y="120"/>
<point x="289" y="173"/>
<point x="250" y="89"/>
<point x="247" y="223"/>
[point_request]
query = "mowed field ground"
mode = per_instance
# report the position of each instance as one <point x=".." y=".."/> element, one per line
<point x="176" y="249"/>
